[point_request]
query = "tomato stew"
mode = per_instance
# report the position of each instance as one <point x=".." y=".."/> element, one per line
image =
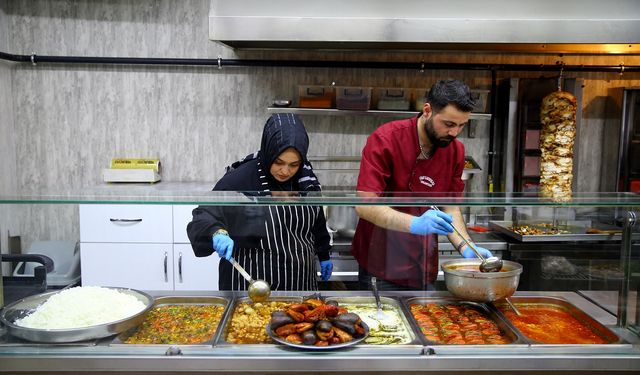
<point x="551" y="325"/>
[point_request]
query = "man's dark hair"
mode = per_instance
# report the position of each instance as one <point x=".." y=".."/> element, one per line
<point x="450" y="91"/>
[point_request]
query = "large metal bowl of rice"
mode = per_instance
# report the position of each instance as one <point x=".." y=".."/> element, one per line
<point x="76" y="314"/>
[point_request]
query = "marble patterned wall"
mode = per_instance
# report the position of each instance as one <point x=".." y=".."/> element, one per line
<point x="8" y="176"/>
<point x="74" y="119"/>
<point x="71" y="120"/>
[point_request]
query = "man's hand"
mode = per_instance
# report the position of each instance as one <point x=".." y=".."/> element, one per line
<point x="467" y="252"/>
<point x="432" y="222"/>
<point x="223" y="245"/>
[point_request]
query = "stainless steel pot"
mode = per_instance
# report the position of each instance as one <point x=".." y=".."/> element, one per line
<point x="481" y="286"/>
<point x="342" y="219"/>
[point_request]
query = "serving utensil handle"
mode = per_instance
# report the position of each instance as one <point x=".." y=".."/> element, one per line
<point x="241" y="270"/>
<point x="463" y="238"/>
<point x="513" y="307"/>
<point x="374" y="288"/>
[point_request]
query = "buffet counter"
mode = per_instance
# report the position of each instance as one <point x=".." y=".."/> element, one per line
<point x="417" y="356"/>
<point x="492" y="342"/>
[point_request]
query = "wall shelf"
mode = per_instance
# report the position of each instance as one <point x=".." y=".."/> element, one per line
<point x="373" y="112"/>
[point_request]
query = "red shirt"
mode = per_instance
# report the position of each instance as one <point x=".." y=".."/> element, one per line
<point x="390" y="164"/>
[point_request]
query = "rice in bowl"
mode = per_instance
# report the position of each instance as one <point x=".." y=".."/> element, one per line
<point x="82" y="307"/>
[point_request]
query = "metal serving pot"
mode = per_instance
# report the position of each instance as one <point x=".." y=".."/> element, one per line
<point x="342" y="219"/>
<point x="480" y="286"/>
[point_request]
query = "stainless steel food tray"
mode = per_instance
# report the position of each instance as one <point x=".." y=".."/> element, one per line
<point x="476" y="167"/>
<point x="517" y="340"/>
<point x="25" y="306"/>
<point x="577" y="232"/>
<point x="395" y="306"/>
<point x="226" y="324"/>
<point x="614" y="343"/>
<point x="120" y="340"/>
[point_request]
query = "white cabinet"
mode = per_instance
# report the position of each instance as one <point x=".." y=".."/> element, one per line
<point x="126" y="223"/>
<point x="190" y="272"/>
<point x="138" y="266"/>
<point x="142" y="247"/>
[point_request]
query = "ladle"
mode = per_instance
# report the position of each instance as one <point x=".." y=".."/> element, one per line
<point x="513" y="307"/>
<point x="491" y="264"/>
<point x="258" y="290"/>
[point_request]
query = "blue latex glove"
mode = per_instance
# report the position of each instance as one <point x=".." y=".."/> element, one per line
<point x="326" y="267"/>
<point x="468" y="253"/>
<point x="432" y="221"/>
<point x="223" y="245"/>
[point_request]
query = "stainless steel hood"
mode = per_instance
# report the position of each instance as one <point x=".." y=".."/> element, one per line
<point x="611" y="26"/>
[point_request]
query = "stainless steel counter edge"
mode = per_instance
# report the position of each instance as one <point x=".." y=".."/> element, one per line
<point x="529" y="359"/>
<point x="525" y="362"/>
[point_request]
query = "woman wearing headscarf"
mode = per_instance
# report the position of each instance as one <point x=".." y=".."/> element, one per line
<point x="277" y="244"/>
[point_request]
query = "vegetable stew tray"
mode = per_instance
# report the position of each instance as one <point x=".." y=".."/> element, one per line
<point x="245" y="325"/>
<point x="181" y="321"/>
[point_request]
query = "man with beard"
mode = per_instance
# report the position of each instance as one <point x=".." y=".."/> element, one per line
<point x="413" y="157"/>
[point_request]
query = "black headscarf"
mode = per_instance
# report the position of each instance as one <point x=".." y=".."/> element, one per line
<point x="282" y="130"/>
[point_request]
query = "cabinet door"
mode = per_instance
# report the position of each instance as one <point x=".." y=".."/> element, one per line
<point x="137" y="266"/>
<point x="181" y="217"/>
<point x="126" y="223"/>
<point x="192" y="273"/>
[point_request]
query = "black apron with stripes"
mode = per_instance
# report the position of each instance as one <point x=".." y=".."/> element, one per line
<point x="286" y="256"/>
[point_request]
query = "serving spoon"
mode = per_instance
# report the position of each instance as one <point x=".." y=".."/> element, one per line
<point x="513" y="307"/>
<point x="374" y="288"/>
<point x="259" y="290"/>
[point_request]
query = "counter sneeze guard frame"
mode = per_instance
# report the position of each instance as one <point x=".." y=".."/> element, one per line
<point x="603" y="284"/>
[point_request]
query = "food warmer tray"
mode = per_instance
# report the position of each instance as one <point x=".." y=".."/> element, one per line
<point x="120" y="340"/>
<point x="614" y="343"/>
<point x="226" y="326"/>
<point x="275" y="349"/>
<point x="475" y="166"/>
<point x="577" y="231"/>
<point x="415" y="344"/>
<point x="518" y="342"/>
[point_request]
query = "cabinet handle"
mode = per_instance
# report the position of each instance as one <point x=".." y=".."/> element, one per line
<point x="180" y="266"/>
<point x="125" y="220"/>
<point x="166" y="271"/>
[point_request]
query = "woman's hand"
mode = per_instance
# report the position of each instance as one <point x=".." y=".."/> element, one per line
<point x="223" y="245"/>
<point x="326" y="267"/>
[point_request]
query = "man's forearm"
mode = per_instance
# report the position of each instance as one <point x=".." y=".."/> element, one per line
<point x="385" y="217"/>
<point x="459" y="224"/>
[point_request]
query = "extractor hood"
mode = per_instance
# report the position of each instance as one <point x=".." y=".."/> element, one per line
<point x="611" y="26"/>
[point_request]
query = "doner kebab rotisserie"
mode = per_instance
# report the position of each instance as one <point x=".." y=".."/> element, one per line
<point x="557" y="136"/>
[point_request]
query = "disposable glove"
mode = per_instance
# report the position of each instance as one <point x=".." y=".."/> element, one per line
<point x="223" y="245"/>
<point x="432" y="222"/>
<point x="468" y="252"/>
<point x="326" y="267"/>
